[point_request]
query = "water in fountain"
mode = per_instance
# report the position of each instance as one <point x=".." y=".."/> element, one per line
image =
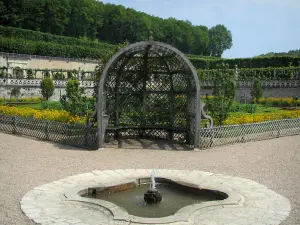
<point x="141" y="200"/>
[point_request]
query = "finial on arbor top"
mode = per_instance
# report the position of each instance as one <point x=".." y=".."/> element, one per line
<point x="150" y="35"/>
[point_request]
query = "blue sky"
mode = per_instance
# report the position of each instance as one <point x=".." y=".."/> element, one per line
<point x="257" y="26"/>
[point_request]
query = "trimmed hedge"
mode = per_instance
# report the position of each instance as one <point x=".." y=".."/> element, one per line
<point x="17" y="33"/>
<point x="24" y="46"/>
<point x="273" y="73"/>
<point x="24" y="41"/>
<point x="259" y="62"/>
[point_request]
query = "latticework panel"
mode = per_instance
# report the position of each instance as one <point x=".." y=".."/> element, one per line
<point x="75" y="135"/>
<point x="149" y="91"/>
<point x="225" y="135"/>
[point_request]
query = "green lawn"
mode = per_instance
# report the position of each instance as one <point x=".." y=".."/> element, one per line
<point x="41" y="105"/>
<point x="259" y="109"/>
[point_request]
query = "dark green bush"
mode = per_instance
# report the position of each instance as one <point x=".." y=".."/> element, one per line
<point x="224" y="92"/>
<point x="58" y="76"/>
<point x="251" y="108"/>
<point x="256" y="90"/>
<point x="47" y="88"/>
<point x="15" y="92"/>
<point x="75" y="101"/>
<point x="29" y="74"/>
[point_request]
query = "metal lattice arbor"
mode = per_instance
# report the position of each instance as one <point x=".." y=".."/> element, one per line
<point x="150" y="89"/>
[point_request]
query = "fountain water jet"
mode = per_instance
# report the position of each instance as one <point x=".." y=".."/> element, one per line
<point x="152" y="196"/>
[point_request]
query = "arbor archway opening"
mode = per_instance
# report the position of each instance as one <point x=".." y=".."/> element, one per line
<point x="149" y="90"/>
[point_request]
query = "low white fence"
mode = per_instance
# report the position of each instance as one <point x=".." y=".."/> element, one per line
<point x="232" y="134"/>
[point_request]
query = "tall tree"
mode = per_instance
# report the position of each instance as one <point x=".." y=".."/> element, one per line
<point x="56" y="16"/>
<point x="12" y="12"/>
<point x="47" y="88"/>
<point x="33" y="14"/>
<point x="92" y="19"/>
<point x="201" y="40"/>
<point x="80" y="18"/>
<point x="224" y="88"/>
<point x="220" y="39"/>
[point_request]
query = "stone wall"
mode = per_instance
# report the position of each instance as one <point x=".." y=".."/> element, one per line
<point x="31" y="88"/>
<point x="59" y="64"/>
<point x="271" y="88"/>
<point x="11" y="61"/>
<point x="27" y="92"/>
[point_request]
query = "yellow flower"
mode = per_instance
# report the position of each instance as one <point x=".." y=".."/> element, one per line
<point x="257" y="118"/>
<point x="52" y="115"/>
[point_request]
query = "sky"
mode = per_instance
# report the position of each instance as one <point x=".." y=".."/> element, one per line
<point x="257" y="26"/>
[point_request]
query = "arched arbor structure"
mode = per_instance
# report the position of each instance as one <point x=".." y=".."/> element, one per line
<point x="150" y="90"/>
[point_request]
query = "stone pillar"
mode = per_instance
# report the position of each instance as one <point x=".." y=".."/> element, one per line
<point x="24" y="73"/>
<point x="10" y="71"/>
<point x="236" y="73"/>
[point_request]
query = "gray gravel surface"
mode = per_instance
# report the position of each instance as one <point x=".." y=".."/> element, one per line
<point x="26" y="163"/>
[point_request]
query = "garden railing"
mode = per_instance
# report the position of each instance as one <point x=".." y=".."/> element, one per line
<point x="232" y="134"/>
<point x="82" y="136"/>
<point x="75" y="134"/>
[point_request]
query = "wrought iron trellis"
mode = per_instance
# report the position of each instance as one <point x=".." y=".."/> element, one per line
<point x="150" y="89"/>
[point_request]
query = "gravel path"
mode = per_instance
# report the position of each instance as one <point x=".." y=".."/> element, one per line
<point x="26" y="163"/>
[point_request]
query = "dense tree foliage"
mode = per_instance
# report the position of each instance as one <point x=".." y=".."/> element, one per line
<point x="220" y="40"/>
<point x="115" y="24"/>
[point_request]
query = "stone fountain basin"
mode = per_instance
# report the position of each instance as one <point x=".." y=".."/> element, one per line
<point x="248" y="202"/>
<point x="79" y="193"/>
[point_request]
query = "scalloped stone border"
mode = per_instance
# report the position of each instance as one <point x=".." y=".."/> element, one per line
<point x="248" y="202"/>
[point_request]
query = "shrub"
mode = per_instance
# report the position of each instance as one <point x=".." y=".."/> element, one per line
<point x="19" y="73"/>
<point x="46" y="74"/>
<point x="256" y="91"/>
<point x="2" y="72"/>
<point x="224" y="92"/>
<point x="29" y="74"/>
<point x="71" y="74"/>
<point x="47" y="88"/>
<point x="74" y="101"/>
<point x="15" y="92"/>
<point x="58" y="76"/>
<point x="251" y="108"/>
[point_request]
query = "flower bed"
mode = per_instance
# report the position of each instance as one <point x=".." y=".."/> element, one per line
<point x="279" y="101"/>
<point x="33" y="99"/>
<point x="243" y="118"/>
<point x="52" y="115"/>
